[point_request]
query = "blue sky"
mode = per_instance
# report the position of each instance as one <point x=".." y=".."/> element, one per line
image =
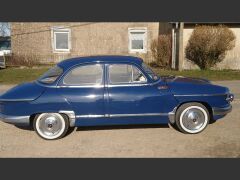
<point x="5" y="28"/>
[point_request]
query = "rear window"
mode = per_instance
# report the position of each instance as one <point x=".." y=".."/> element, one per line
<point x="51" y="75"/>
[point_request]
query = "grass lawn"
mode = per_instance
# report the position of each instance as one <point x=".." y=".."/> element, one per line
<point x="214" y="75"/>
<point x="17" y="75"/>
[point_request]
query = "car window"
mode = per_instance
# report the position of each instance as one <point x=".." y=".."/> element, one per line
<point x="124" y="73"/>
<point x="85" y="75"/>
<point x="51" y="75"/>
<point x="150" y="72"/>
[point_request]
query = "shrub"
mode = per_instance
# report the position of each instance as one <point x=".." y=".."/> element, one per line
<point x="208" y="45"/>
<point x="22" y="60"/>
<point x="161" y="51"/>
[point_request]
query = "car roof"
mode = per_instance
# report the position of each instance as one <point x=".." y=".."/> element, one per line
<point x="89" y="59"/>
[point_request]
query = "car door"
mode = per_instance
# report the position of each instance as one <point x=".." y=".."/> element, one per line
<point x="83" y="88"/>
<point x="133" y="98"/>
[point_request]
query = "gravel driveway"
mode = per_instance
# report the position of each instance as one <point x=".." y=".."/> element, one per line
<point x="221" y="139"/>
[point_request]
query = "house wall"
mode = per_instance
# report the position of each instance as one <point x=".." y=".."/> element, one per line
<point x="34" y="40"/>
<point x="232" y="59"/>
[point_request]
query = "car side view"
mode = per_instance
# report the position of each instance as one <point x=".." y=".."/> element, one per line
<point x="112" y="90"/>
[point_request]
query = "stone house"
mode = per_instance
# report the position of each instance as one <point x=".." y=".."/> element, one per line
<point x="51" y="42"/>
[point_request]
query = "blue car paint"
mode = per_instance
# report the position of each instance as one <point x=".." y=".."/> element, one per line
<point x="110" y="102"/>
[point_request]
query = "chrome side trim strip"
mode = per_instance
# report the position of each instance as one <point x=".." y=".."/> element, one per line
<point x="20" y="120"/>
<point x="120" y="115"/>
<point x="71" y="116"/>
<point x="200" y="94"/>
<point x="15" y="100"/>
<point x="143" y="114"/>
<point x="90" y="116"/>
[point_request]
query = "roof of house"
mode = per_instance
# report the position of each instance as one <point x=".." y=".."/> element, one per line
<point x="89" y="59"/>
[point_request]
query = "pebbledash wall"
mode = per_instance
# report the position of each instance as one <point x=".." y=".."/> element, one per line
<point x="232" y="59"/>
<point x="37" y="40"/>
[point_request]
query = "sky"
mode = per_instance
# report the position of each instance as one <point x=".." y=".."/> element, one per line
<point x="5" y="29"/>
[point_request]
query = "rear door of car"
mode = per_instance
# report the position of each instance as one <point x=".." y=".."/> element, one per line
<point x="83" y="88"/>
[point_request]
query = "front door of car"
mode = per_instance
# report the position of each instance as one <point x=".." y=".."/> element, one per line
<point x="133" y="98"/>
<point x="83" y="89"/>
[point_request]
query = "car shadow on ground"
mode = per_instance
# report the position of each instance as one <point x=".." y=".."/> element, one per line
<point x="112" y="127"/>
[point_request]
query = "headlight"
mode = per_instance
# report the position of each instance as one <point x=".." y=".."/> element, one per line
<point x="230" y="97"/>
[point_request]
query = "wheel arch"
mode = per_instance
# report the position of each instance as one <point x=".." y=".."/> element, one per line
<point x="201" y="102"/>
<point x="70" y="115"/>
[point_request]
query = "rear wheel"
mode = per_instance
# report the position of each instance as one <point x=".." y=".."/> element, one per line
<point x="51" y="126"/>
<point x="192" y="118"/>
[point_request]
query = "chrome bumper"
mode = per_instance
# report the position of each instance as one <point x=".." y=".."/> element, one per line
<point x="17" y="120"/>
<point x="222" y="111"/>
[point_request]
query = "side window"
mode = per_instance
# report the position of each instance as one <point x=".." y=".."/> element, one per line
<point x="124" y="73"/>
<point x="85" y="75"/>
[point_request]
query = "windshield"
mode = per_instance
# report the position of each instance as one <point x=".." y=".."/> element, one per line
<point x="51" y="75"/>
<point x="149" y="71"/>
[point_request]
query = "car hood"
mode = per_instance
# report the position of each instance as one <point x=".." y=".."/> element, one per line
<point x="185" y="80"/>
<point x="180" y="85"/>
<point x="23" y="92"/>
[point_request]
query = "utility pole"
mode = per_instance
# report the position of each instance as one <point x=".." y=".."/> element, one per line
<point x="180" y="47"/>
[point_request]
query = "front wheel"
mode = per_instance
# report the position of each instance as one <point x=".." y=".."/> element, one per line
<point x="192" y="118"/>
<point x="51" y="126"/>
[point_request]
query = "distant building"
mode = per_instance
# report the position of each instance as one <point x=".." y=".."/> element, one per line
<point x="5" y="45"/>
<point x="53" y="42"/>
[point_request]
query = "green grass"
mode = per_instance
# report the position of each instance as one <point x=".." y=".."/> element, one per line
<point x="17" y="75"/>
<point x="214" y="75"/>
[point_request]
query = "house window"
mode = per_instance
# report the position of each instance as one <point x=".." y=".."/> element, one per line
<point x="61" y="40"/>
<point x="137" y="40"/>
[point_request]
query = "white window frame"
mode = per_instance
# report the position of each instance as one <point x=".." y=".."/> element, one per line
<point x="132" y="30"/>
<point x="56" y="30"/>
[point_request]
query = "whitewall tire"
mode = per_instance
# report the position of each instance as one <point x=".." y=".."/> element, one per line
<point x="192" y="118"/>
<point x="51" y="126"/>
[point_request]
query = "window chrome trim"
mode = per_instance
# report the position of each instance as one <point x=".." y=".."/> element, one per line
<point x="87" y="85"/>
<point x="126" y="83"/>
<point x="90" y="86"/>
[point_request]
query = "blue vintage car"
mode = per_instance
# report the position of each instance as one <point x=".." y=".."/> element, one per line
<point x="112" y="90"/>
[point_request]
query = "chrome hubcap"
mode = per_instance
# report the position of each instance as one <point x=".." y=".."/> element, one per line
<point x="193" y="119"/>
<point x="50" y="124"/>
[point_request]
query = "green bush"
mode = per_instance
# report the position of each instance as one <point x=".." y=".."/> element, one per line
<point x="161" y="51"/>
<point x="208" y="45"/>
